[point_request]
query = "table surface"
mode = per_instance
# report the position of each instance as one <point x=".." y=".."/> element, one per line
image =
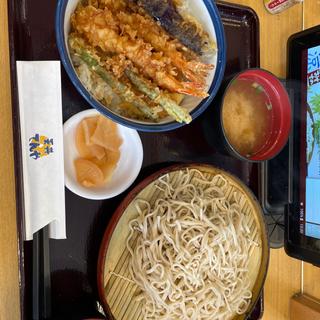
<point x="286" y="276"/>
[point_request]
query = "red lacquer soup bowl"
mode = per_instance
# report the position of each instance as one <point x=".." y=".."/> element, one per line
<point x="276" y="123"/>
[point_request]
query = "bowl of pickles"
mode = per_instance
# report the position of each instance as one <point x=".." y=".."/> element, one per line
<point x="101" y="158"/>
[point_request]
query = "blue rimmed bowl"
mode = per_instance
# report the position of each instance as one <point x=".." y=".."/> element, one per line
<point x="204" y="11"/>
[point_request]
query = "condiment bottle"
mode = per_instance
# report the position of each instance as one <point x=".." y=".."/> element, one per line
<point x="277" y="6"/>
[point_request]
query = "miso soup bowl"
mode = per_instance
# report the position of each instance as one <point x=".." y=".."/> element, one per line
<point x="281" y="115"/>
<point x="205" y="11"/>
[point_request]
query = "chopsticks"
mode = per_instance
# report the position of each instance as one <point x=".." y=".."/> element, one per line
<point x="41" y="281"/>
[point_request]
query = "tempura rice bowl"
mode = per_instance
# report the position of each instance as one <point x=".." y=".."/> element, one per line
<point x="205" y="11"/>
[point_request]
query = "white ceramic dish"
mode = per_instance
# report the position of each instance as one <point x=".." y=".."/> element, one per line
<point x="127" y="169"/>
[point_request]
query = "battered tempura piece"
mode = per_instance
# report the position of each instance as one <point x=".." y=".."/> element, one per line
<point x="92" y="61"/>
<point x="166" y="13"/>
<point x="145" y="28"/>
<point x="174" y="110"/>
<point x="89" y="57"/>
<point x="115" y="4"/>
<point x="101" y="29"/>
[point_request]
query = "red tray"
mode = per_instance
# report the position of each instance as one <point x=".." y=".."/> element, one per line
<point x="74" y="261"/>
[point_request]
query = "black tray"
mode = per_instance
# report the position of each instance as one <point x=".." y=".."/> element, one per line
<point x="74" y="261"/>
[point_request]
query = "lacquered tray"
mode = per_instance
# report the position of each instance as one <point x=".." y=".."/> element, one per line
<point x="74" y="261"/>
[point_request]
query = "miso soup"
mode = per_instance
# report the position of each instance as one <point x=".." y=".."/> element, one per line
<point x="247" y="116"/>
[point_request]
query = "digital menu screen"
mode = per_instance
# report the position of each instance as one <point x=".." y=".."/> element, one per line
<point x="310" y="151"/>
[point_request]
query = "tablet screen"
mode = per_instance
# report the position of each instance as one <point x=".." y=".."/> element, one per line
<point x="310" y="153"/>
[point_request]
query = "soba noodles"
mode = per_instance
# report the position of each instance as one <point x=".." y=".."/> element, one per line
<point x="190" y="250"/>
